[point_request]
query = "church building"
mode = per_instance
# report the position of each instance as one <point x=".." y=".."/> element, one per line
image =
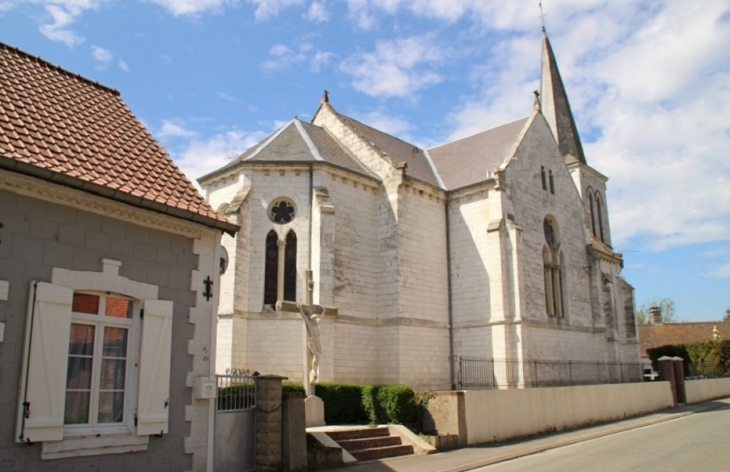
<point x="496" y="245"/>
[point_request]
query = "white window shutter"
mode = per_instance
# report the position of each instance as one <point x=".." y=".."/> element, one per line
<point x="47" y="363"/>
<point x="154" y="368"/>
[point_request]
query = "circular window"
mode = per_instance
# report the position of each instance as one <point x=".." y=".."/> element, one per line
<point x="282" y="211"/>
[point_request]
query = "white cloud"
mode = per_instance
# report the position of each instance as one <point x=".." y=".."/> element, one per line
<point x="60" y="15"/>
<point x="319" y="60"/>
<point x="102" y="56"/>
<point x="396" y="68"/>
<point x="123" y="65"/>
<point x="494" y="13"/>
<point x="266" y="9"/>
<point x="390" y="124"/>
<point x="721" y="271"/>
<point x="649" y="85"/>
<point x="318" y="12"/>
<point x="193" y="7"/>
<point x="173" y="129"/>
<point x="198" y="156"/>
<point x="282" y="57"/>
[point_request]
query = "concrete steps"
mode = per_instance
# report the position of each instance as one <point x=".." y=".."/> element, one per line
<point x="367" y="444"/>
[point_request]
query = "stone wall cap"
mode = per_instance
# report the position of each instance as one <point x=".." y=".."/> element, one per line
<point x="271" y="377"/>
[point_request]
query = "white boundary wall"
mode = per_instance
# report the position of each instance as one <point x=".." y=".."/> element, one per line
<point x="706" y="389"/>
<point x="498" y="415"/>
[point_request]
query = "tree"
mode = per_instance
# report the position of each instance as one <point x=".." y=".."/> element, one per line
<point x="667" y="306"/>
<point x="727" y="315"/>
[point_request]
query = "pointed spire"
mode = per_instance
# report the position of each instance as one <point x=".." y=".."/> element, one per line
<point x="555" y="106"/>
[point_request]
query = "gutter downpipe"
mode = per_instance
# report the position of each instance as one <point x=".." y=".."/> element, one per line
<point x="311" y="213"/>
<point x="449" y="289"/>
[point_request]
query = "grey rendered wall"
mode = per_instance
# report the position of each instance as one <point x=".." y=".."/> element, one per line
<point x="37" y="236"/>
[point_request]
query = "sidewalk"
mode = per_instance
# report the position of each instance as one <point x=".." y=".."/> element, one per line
<point x="480" y="456"/>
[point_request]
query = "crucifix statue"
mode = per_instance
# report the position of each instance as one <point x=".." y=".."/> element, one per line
<point x="312" y="316"/>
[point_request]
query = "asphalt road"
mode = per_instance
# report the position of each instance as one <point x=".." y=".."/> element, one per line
<point x="699" y="442"/>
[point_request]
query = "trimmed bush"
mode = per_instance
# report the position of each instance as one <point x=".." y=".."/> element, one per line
<point x="287" y="386"/>
<point x="346" y="403"/>
<point x="397" y="404"/>
<point x="342" y="402"/>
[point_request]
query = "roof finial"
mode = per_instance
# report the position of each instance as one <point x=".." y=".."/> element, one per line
<point x="325" y="97"/>
<point x="537" y="100"/>
<point x="542" y="15"/>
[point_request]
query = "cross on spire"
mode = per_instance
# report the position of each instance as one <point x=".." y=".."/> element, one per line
<point x="542" y="15"/>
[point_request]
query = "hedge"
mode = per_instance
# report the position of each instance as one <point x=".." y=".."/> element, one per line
<point x="710" y="354"/>
<point x="346" y="403"/>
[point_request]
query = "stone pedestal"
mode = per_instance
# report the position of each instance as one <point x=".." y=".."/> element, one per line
<point x="294" y="435"/>
<point x="268" y="424"/>
<point x="314" y="411"/>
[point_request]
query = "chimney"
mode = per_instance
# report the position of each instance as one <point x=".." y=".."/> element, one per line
<point x="655" y="315"/>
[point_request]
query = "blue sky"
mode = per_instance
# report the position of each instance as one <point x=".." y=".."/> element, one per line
<point x="649" y="83"/>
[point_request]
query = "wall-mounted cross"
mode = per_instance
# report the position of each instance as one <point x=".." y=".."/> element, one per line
<point x="208" y="294"/>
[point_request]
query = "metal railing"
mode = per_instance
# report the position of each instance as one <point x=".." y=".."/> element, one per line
<point x="704" y="371"/>
<point x="478" y="373"/>
<point x="236" y="391"/>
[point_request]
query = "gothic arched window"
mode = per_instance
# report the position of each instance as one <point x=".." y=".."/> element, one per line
<point x="290" y="267"/>
<point x="599" y="217"/>
<point x="553" y="272"/>
<point x="592" y="210"/>
<point x="271" y="268"/>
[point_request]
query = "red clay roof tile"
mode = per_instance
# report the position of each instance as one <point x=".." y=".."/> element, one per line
<point x="59" y="121"/>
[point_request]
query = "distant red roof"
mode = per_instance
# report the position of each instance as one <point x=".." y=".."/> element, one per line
<point x="651" y="336"/>
<point x="53" y="120"/>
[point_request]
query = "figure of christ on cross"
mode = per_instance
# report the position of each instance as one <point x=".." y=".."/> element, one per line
<point x="312" y="316"/>
<point x="313" y="342"/>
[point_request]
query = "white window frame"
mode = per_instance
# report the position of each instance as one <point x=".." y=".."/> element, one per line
<point x="45" y="363"/>
<point x="100" y="321"/>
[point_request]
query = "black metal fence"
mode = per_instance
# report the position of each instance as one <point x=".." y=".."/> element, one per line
<point x="478" y="373"/>
<point x="700" y="371"/>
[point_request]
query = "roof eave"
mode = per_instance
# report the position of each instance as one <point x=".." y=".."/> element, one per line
<point x="114" y="194"/>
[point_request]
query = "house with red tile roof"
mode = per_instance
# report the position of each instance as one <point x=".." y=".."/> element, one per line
<point x="665" y="334"/>
<point x="109" y="270"/>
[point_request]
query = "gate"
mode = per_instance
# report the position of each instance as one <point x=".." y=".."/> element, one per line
<point x="235" y="422"/>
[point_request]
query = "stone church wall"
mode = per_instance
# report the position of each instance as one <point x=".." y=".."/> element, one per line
<point x="356" y="270"/>
<point x="469" y="218"/>
<point x="531" y="204"/>
<point x="422" y="255"/>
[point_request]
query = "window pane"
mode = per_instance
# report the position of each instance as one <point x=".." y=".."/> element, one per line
<point x="111" y="407"/>
<point x="112" y="374"/>
<point x="82" y="340"/>
<point x="85" y="303"/>
<point x="79" y="373"/>
<point x="115" y="342"/>
<point x="118" y="308"/>
<point x="77" y="408"/>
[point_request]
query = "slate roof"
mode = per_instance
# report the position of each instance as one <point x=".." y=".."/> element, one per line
<point x="466" y="161"/>
<point x="297" y="141"/>
<point x="651" y="336"/>
<point x="556" y="107"/>
<point x="61" y="127"/>
<point x="396" y="150"/>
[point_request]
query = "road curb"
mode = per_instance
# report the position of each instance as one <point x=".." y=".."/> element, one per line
<point x="635" y="424"/>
